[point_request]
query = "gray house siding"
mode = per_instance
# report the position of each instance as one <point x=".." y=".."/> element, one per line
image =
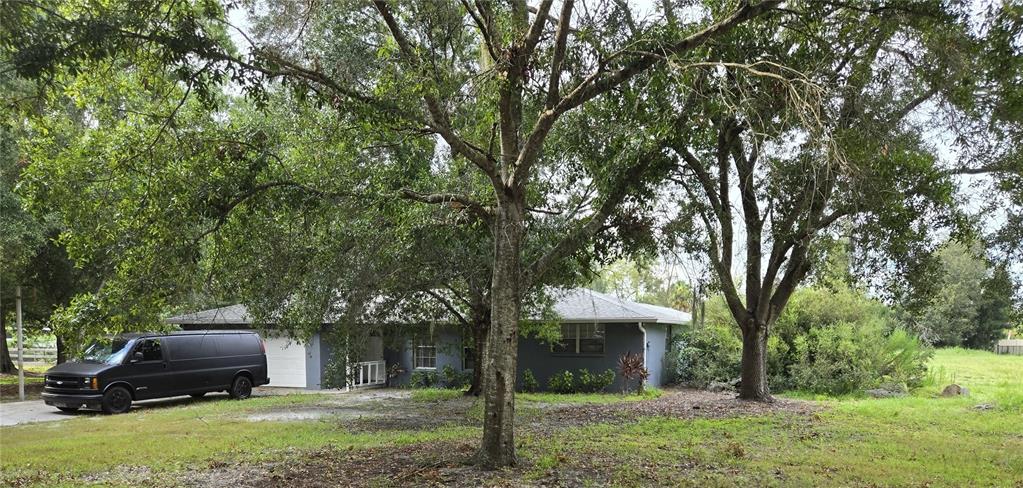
<point x="316" y="354"/>
<point x="536" y="355"/>
<point x="629" y="326"/>
<point x="448" y="341"/>
<point x="656" y="346"/>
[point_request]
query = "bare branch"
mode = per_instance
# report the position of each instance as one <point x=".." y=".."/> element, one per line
<point x="485" y="29"/>
<point x="599" y="83"/>
<point x="440" y="121"/>
<point x="560" y="42"/>
<point x="447" y="305"/>
<point x="453" y="200"/>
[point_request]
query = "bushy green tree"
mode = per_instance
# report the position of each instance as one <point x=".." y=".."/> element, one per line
<point x="491" y="85"/>
<point x="830" y="339"/>
<point x="815" y="133"/>
<point x="973" y="303"/>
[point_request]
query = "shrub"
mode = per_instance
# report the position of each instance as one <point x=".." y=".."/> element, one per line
<point x="587" y="382"/>
<point x="334" y="375"/>
<point x="832" y="341"/>
<point x="529" y="383"/>
<point x="423" y="379"/>
<point x="632" y="368"/>
<point x="455" y="380"/>
<point x="562" y="382"/>
<point x="699" y="356"/>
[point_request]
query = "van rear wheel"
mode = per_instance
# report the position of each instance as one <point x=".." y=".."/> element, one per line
<point x="116" y="400"/>
<point x="241" y="388"/>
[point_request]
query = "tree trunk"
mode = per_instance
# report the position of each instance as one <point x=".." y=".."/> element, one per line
<point x="61" y="351"/>
<point x="6" y="364"/>
<point x="498" y="448"/>
<point x="480" y="326"/>
<point x="754" y="364"/>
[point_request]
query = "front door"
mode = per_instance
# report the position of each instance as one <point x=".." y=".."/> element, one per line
<point x="148" y="371"/>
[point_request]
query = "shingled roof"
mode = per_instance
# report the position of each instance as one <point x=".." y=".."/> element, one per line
<point x="573" y="305"/>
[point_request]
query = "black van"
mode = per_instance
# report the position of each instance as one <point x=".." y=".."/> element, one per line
<point x="116" y="371"/>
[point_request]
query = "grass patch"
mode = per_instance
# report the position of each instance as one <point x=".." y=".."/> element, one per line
<point x="180" y="437"/>
<point x="435" y="394"/>
<point x="12" y="379"/>
<point x="918" y="440"/>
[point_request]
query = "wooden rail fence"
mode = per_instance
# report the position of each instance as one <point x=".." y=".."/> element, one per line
<point x="1009" y="346"/>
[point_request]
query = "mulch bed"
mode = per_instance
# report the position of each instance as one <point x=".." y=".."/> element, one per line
<point x="682" y="403"/>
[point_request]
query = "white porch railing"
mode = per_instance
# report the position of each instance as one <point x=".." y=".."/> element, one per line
<point x="369" y="373"/>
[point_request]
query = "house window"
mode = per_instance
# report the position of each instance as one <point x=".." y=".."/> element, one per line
<point x="468" y="358"/>
<point x="581" y="339"/>
<point x="424" y="354"/>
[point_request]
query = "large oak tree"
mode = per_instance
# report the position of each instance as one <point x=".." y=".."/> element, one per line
<point x="823" y="127"/>
<point x="491" y="81"/>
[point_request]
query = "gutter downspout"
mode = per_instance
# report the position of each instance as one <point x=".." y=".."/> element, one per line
<point x="641" y="329"/>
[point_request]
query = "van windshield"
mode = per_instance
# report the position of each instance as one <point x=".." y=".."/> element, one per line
<point x="110" y="350"/>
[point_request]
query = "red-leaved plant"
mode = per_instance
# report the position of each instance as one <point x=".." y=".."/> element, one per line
<point x="631" y="367"/>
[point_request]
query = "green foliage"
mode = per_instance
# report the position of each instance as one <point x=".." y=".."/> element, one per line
<point x="582" y="381"/>
<point x="698" y="356"/>
<point x="529" y="383"/>
<point x="563" y="382"/>
<point x="434" y="394"/>
<point x="844" y="358"/>
<point x="643" y="282"/>
<point x="829" y="340"/>
<point x="455" y="380"/>
<point x="335" y="374"/>
<point x="973" y="302"/>
<point x="587" y="382"/>
<point x="423" y="379"/>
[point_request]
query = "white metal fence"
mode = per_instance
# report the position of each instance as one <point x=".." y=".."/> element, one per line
<point x="33" y="355"/>
<point x="369" y="373"/>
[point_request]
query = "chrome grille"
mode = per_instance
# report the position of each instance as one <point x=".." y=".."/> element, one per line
<point x="64" y="382"/>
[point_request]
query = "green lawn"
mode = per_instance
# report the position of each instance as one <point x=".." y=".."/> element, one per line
<point x="12" y="379"/>
<point x="920" y="440"/>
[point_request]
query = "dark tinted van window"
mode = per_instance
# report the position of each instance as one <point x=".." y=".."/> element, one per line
<point x="192" y="347"/>
<point x="150" y="349"/>
<point x="238" y="344"/>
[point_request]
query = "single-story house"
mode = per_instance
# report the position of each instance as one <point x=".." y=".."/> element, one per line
<point x="596" y="329"/>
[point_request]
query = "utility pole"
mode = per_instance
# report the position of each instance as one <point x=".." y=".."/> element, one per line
<point x="21" y="355"/>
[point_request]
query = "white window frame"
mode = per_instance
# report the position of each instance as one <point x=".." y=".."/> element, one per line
<point x="572" y="343"/>
<point x="418" y="346"/>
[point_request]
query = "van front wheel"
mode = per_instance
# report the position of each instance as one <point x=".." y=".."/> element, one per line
<point x="116" y="400"/>
<point x="241" y="388"/>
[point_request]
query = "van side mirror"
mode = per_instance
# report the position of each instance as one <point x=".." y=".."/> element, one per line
<point x="137" y="356"/>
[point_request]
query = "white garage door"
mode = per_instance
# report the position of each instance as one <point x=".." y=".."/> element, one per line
<point x="285" y="360"/>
